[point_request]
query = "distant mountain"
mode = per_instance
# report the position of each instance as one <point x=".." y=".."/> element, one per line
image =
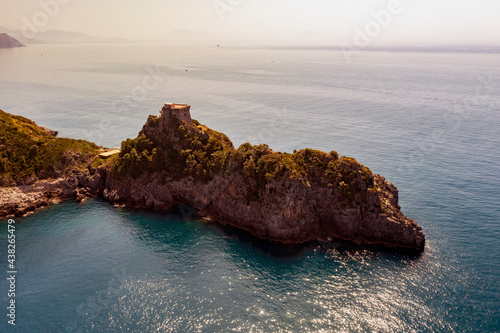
<point x="8" y="42"/>
<point x="59" y="36"/>
<point x="18" y="34"/>
<point x="188" y="36"/>
<point x="312" y="35"/>
<point x="312" y="38"/>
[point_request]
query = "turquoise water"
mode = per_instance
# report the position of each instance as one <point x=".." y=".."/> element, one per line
<point x="427" y="121"/>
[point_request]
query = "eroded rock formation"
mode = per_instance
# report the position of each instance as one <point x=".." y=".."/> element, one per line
<point x="312" y="196"/>
<point x="289" y="198"/>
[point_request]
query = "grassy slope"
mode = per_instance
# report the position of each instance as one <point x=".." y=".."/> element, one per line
<point x="26" y="150"/>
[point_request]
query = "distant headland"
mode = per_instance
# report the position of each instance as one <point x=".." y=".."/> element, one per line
<point x="289" y="198"/>
<point x="7" y="41"/>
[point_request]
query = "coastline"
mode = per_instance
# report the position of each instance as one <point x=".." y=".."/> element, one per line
<point x="24" y="200"/>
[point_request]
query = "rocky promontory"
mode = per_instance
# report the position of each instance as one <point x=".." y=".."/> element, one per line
<point x="37" y="168"/>
<point x="289" y="198"/>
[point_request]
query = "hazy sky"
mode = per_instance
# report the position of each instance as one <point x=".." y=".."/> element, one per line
<point x="414" y="21"/>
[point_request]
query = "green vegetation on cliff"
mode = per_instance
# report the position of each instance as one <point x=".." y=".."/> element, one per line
<point x="200" y="157"/>
<point x="29" y="150"/>
<point x="203" y="153"/>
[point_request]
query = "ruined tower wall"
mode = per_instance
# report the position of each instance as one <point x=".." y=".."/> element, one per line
<point x="177" y="111"/>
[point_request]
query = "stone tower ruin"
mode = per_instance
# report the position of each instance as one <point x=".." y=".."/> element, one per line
<point x="177" y="111"/>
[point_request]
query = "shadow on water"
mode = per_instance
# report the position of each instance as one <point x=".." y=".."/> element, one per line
<point x="272" y="249"/>
<point x="154" y="225"/>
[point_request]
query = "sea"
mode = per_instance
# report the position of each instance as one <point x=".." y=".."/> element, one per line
<point x="428" y="120"/>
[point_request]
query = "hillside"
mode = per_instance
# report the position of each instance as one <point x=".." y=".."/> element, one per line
<point x="31" y="151"/>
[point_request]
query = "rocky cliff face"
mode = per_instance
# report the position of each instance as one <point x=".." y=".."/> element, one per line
<point x="290" y="198"/>
<point x="76" y="184"/>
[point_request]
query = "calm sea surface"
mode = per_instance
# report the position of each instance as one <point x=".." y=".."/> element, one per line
<point x="429" y="122"/>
